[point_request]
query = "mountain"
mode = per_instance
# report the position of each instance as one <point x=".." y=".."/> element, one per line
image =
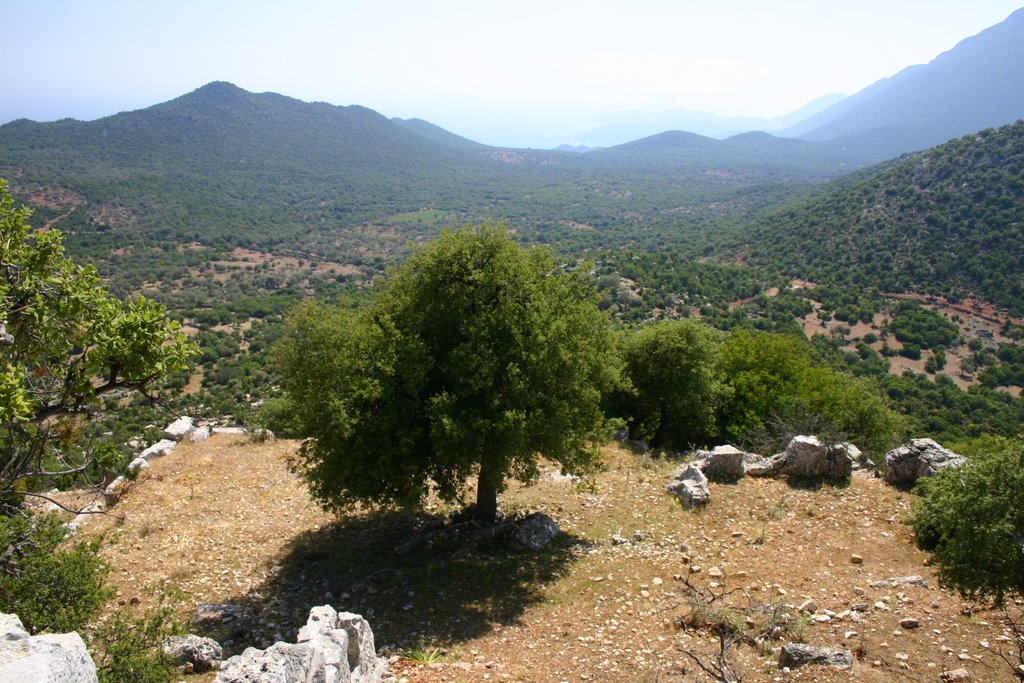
<point x="623" y="127"/>
<point x="947" y="220"/>
<point x="223" y="166"/>
<point x="744" y="158"/>
<point x="220" y="159"/>
<point x="977" y="84"/>
<point x="437" y="134"/>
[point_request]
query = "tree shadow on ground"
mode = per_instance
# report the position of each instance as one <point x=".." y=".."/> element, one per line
<point x="440" y="595"/>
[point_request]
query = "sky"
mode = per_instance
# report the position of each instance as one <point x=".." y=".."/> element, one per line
<point x="523" y="73"/>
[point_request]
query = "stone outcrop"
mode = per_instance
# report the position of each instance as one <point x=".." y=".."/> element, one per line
<point x="796" y="655"/>
<point x="690" y="486"/>
<point x="332" y="647"/>
<point x="193" y="652"/>
<point x="919" y="458"/>
<point x="535" y="532"/>
<point x="808" y="458"/>
<point x="723" y="463"/>
<point x="47" y="658"/>
<point x="180" y="429"/>
<point x="157" y="450"/>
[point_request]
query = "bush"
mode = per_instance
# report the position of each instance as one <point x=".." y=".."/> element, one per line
<point x="128" y="649"/>
<point x="52" y="588"/>
<point x="972" y="518"/>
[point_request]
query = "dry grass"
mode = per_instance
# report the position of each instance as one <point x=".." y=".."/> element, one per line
<point x="226" y="522"/>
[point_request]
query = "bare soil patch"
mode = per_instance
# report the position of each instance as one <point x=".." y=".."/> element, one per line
<point x="226" y="522"/>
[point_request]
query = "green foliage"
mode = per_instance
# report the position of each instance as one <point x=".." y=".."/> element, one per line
<point x="675" y="388"/>
<point x="127" y="649"/>
<point x="921" y="327"/>
<point x="52" y="587"/>
<point x="476" y="355"/>
<point x="946" y="221"/>
<point x="972" y="517"/>
<point x="68" y="343"/>
<point x="774" y="390"/>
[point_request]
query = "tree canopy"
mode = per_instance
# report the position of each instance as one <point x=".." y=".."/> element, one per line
<point x="672" y="366"/>
<point x="973" y="519"/>
<point x="475" y="357"/>
<point x="64" y="343"/>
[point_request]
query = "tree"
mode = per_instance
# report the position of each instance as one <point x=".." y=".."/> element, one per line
<point x="972" y="517"/>
<point x="675" y="386"/>
<point x="775" y="391"/>
<point x="475" y="356"/>
<point x="65" y="343"/>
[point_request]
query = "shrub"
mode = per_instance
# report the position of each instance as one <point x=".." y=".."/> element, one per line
<point x="972" y="517"/>
<point x="52" y="588"/>
<point x="128" y="649"/>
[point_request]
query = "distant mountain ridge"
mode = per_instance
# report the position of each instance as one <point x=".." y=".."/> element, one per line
<point x="624" y="127"/>
<point x="224" y="166"/>
<point x="977" y="84"/>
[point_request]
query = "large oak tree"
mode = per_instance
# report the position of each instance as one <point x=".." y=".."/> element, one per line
<point x="475" y="358"/>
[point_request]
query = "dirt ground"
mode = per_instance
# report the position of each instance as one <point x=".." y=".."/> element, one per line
<point x="226" y="522"/>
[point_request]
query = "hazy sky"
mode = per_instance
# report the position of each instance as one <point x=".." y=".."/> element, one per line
<point x="515" y="73"/>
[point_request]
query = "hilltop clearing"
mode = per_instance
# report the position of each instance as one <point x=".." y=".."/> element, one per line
<point x="226" y="522"/>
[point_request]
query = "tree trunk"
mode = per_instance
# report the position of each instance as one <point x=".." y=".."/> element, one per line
<point x="486" y="497"/>
<point x="659" y="433"/>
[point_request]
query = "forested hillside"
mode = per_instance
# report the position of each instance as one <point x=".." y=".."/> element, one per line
<point x="225" y="168"/>
<point x="948" y="221"/>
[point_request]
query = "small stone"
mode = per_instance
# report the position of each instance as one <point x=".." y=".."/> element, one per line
<point x="910" y="622"/>
<point x="808" y="606"/>
<point x="956" y="675"/>
<point x="657" y="581"/>
<point x="856" y="559"/>
<point x="716" y="572"/>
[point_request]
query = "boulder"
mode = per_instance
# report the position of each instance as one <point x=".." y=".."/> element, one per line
<point x="795" y="655"/>
<point x="202" y="653"/>
<point x="332" y="647"/>
<point x="855" y="455"/>
<point x="116" y="489"/>
<point x="214" y="613"/>
<point x="157" y="450"/>
<point x="808" y="458"/>
<point x="919" y="458"/>
<point x="722" y="463"/>
<point x="198" y="435"/>
<point x="534" y="532"/>
<point x="760" y="466"/>
<point x="138" y="465"/>
<point x="179" y="429"/>
<point x="89" y="510"/>
<point x="690" y="486"/>
<point x="231" y="431"/>
<point x="47" y="658"/>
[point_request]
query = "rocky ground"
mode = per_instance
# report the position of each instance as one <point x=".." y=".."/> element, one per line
<point x="225" y="522"/>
